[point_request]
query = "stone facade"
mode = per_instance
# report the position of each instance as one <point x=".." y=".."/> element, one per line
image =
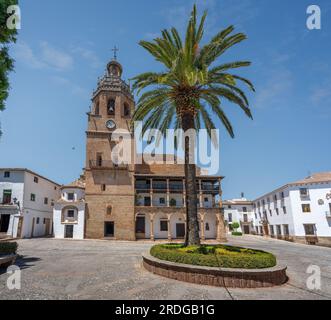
<point x="110" y="191"/>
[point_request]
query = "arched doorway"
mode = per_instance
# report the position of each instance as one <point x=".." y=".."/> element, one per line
<point x="140" y="226"/>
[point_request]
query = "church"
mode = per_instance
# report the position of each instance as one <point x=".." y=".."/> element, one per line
<point x="134" y="201"/>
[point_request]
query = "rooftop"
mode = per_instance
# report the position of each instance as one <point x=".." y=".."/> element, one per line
<point x="31" y="172"/>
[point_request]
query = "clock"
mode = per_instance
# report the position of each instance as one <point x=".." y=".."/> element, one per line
<point x="110" y="124"/>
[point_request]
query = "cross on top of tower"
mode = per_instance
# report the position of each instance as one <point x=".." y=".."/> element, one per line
<point x="115" y="50"/>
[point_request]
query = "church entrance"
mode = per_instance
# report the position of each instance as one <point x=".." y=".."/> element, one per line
<point x="109" y="229"/>
<point x="69" y="231"/>
<point x="140" y="227"/>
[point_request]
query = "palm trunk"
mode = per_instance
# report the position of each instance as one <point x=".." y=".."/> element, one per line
<point x="192" y="223"/>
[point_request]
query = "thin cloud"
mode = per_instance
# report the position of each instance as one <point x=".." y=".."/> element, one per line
<point x="55" y="57"/>
<point x="88" y="55"/>
<point x="24" y="54"/>
<point x="276" y="89"/>
<point x="49" y="57"/>
<point x="73" y="87"/>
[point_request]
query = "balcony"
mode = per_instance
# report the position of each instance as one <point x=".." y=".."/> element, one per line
<point x="106" y="164"/>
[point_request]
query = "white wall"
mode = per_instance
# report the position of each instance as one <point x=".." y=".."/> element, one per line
<point x="317" y="215"/>
<point x="295" y="218"/>
<point x="37" y="209"/>
<point x="14" y="183"/>
<point x="65" y="205"/>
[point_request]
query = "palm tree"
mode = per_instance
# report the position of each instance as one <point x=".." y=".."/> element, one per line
<point x="188" y="93"/>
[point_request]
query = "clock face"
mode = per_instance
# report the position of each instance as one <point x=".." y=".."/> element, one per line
<point x="110" y="124"/>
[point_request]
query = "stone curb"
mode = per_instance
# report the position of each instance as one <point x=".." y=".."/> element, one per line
<point x="219" y="277"/>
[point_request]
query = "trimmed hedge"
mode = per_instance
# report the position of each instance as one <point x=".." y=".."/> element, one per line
<point x="221" y="256"/>
<point x="8" y="248"/>
<point x="238" y="234"/>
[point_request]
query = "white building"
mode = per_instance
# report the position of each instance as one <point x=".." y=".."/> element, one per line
<point x="240" y="211"/>
<point x="69" y="211"/>
<point x="299" y="211"/>
<point x="26" y="203"/>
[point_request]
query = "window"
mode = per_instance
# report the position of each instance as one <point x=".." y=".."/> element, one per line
<point x="277" y="211"/>
<point x="126" y="110"/>
<point x="109" y="210"/>
<point x="275" y="197"/>
<point x="255" y="215"/>
<point x="304" y="192"/>
<point x="163" y="225"/>
<point x="111" y="107"/>
<point x="96" y="110"/>
<point x="46" y="201"/>
<point x="229" y="207"/>
<point x="6" y="198"/>
<point x="162" y="201"/>
<point x="245" y="217"/>
<point x="306" y="208"/>
<point x="99" y="160"/>
<point x="244" y="209"/>
<point x="270" y="212"/>
<point x="52" y="203"/>
<point x="71" y="213"/>
<point x="44" y="221"/>
<point x="310" y="229"/>
<point x="71" y="196"/>
<point x="173" y="203"/>
<point x="272" y="230"/>
<point x="35" y="180"/>
<point x="55" y="188"/>
<point x="207" y="226"/>
<point x="103" y="187"/>
<point x="284" y="210"/>
<point x="230" y="217"/>
<point x="6" y="174"/>
<point x="206" y="199"/>
<point x="279" y="230"/>
<point x="263" y="202"/>
<point x="286" y="230"/>
<point x="282" y="195"/>
<point x="38" y="220"/>
<point x="33" y="197"/>
<point x="330" y="206"/>
<point x="268" y="200"/>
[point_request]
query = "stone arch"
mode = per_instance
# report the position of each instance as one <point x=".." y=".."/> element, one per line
<point x="64" y="213"/>
<point x="111" y="107"/>
<point x="126" y="110"/>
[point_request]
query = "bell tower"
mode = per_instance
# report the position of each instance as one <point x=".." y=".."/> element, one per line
<point x="109" y="186"/>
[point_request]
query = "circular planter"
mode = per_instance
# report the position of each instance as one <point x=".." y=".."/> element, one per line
<point x="7" y="260"/>
<point x="220" y="277"/>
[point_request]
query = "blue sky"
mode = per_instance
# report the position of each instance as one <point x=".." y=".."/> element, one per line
<point x="63" y="47"/>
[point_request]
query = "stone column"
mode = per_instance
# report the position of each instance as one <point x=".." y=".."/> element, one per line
<point x="151" y="193"/>
<point x="169" y="227"/>
<point x="168" y="194"/>
<point x="200" y="195"/>
<point x="220" y="236"/>
<point x="202" y="227"/>
<point x="151" y="218"/>
<point x="184" y="194"/>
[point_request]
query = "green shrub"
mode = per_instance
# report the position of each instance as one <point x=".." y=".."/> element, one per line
<point x="215" y="256"/>
<point x="235" y="225"/>
<point x="8" y="248"/>
<point x="237" y="233"/>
